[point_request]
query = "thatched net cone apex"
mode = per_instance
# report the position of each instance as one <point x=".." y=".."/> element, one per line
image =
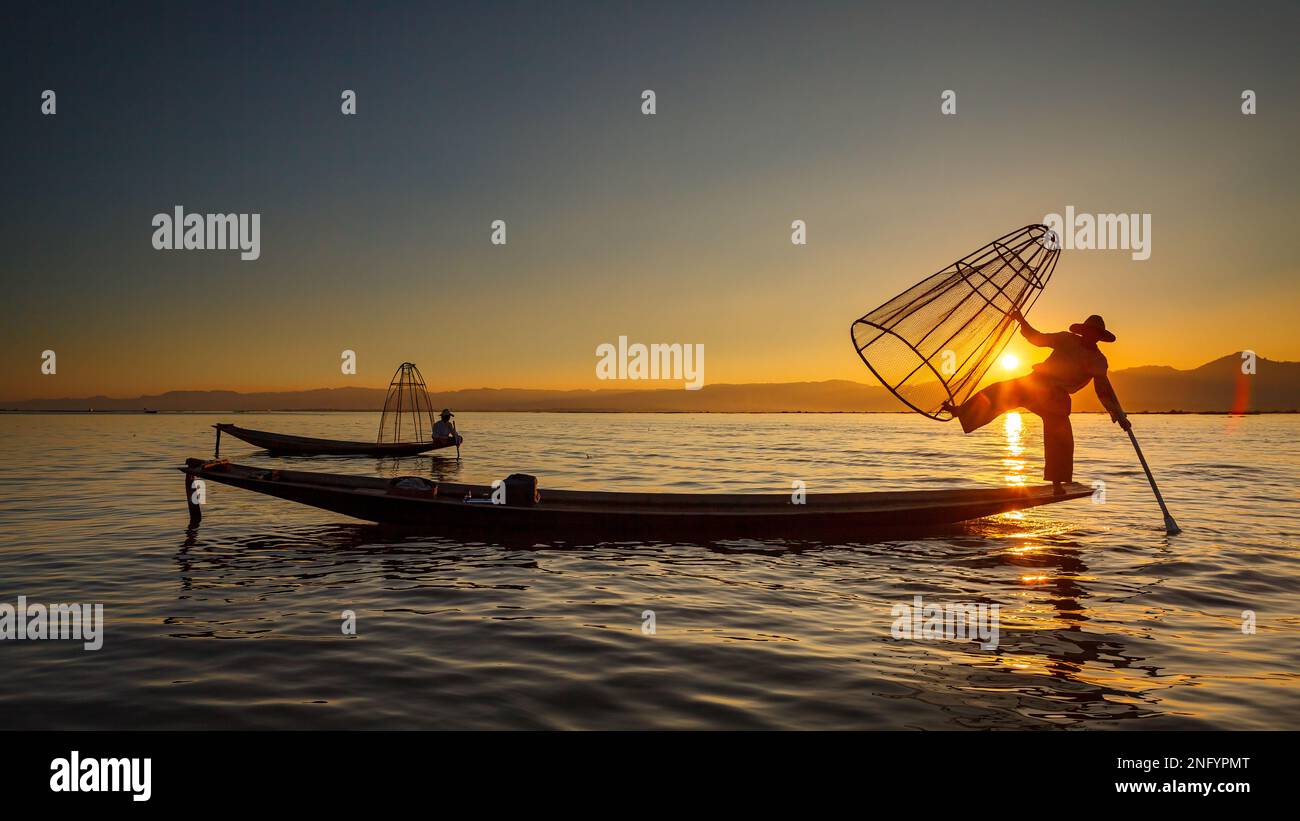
<point x="935" y="341"/>
<point x="408" y="415"/>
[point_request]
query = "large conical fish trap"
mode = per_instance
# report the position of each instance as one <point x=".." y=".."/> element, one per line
<point x="408" y="415"/>
<point x="935" y="341"/>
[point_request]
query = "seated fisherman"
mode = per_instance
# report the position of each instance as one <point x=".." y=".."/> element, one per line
<point x="445" y="428"/>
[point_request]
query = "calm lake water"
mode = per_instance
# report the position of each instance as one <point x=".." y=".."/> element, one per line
<point x="1105" y="622"/>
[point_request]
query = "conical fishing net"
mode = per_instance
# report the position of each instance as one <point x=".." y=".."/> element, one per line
<point x="407" y="416"/>
<point x="935" y="341"/>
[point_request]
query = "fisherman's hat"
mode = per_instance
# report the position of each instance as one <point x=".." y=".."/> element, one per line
<point x="1093" y="326"/>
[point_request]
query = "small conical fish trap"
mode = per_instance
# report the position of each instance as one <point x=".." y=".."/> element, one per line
<point x="934" y="342"/>
<point x="408" y="415"/>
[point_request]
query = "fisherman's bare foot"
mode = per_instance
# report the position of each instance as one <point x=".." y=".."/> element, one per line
<point x="948" y="406"/>
<point x="1058" y="489"/>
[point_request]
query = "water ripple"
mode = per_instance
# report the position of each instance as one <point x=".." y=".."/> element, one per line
<point x="1104" y="621"/>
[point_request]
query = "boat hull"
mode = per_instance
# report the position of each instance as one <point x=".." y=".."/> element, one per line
<point x="285" y="445"/>
<point x="633" y="516"/>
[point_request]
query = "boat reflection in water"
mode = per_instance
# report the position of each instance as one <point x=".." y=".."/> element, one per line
<point x="1054" y="664"/>
<point x="1104" y="621"/>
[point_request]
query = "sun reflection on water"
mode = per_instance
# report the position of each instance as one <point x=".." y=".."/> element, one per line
<point x="1013" y="462"/>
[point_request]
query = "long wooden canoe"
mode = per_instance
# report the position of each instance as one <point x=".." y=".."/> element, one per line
<point x="284" y="444"/>
<point x="633" y="516"/>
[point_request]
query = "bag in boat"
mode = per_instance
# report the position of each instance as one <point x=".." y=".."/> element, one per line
<point x="415" y="486"/>
<point x="521" y="489"/>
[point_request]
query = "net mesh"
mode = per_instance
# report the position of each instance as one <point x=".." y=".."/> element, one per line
<point x="935" y="341"/>
<point x="408" y="415"/>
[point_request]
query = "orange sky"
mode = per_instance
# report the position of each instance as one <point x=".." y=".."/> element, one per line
<point x="673" y="228"/>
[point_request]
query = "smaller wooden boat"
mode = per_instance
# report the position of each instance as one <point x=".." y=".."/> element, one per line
<point x="283" y="444"/>
<point x="406" y="427"/>
<point x="568" y="514"/>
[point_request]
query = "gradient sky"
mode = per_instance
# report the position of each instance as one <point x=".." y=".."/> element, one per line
<point x="671" y="228"/>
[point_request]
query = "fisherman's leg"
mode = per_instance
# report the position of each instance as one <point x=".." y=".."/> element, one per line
<point x="1058" y="448"/>
<point x="990" y="403"/>
<point x="1052" y="404"/>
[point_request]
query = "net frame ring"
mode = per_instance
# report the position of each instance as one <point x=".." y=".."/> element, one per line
<point x="942" y="415"/>
<point x="965" y="270"/>
<point x="1047" y="236"/>
<point x="892" y="389"/>
<point x="1023" y="269"/>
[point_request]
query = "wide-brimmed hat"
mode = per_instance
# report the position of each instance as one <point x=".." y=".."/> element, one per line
<point x="1093" y="326"/>
<point x="445" y="413"/>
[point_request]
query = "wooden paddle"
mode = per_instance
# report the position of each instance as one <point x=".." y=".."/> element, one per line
<point x="457" y="435"/>
<point x="1171" y="527"/>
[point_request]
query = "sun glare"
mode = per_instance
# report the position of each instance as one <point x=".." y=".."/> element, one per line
<point x="1010" y="361"/>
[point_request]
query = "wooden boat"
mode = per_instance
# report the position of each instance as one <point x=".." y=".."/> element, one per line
<point x="284" y="444"/>
<point x="406" y="427"/>
<point x="633" y="516"/>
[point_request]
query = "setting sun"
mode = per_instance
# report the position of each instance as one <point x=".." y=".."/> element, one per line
<point x="1010" y="361"/>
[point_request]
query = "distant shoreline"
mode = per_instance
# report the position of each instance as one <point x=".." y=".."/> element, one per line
<point x="1215" y="388"/>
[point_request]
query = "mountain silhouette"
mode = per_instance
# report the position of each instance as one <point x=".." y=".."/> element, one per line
<point x="1215" y="387"/>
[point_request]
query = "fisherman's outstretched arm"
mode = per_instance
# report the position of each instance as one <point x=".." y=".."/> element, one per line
<point x="1109" y="401"/>
<point x="1038" y="338"/>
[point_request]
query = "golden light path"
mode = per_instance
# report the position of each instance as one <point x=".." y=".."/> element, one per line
<point x="1014" y="462"/>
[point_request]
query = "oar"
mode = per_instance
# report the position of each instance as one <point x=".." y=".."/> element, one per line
<point x="457" y="435"/>
<point x="1171" y="527"/>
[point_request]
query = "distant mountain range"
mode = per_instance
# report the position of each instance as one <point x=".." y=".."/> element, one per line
<point x="1216" y="387"/>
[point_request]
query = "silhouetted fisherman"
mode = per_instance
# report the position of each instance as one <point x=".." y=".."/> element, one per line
<point x="1075" y="361"/>
<point x="444" y="427"/>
